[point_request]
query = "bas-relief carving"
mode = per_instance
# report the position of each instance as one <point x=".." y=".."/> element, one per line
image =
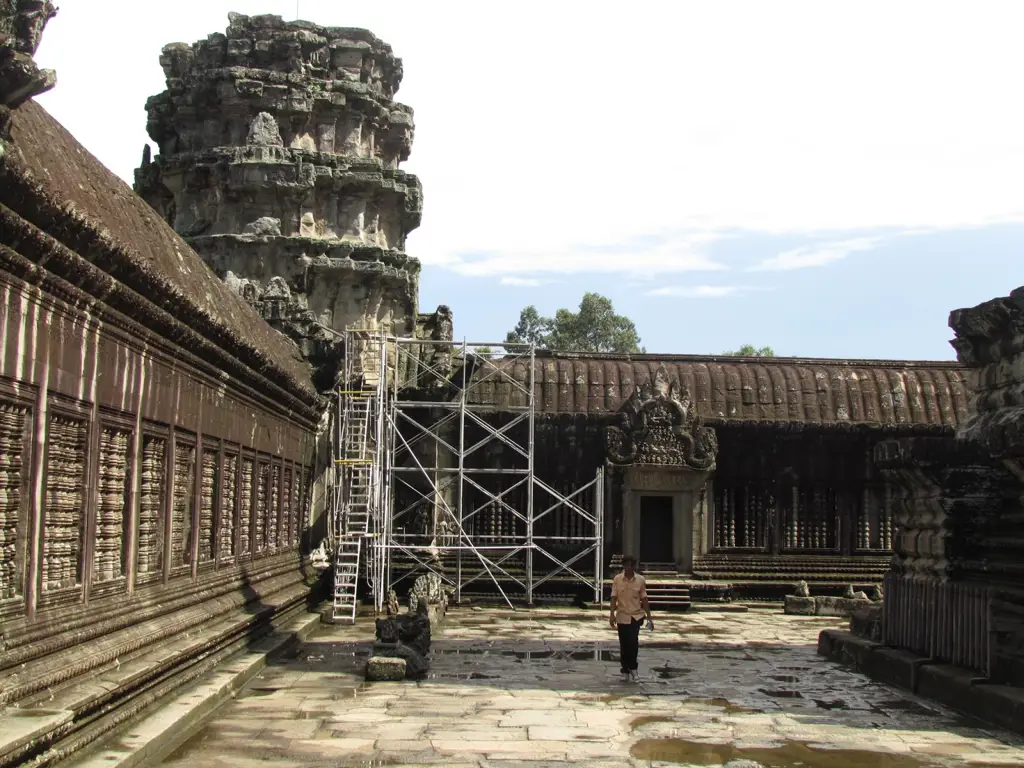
<point x="658" y="425"/>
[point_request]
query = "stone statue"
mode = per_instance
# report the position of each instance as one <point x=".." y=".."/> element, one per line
<point x="393" y="607"/>
<point x="429" y="592"/>
<point x="402" y="637"/>
<point x="802" y="590"/>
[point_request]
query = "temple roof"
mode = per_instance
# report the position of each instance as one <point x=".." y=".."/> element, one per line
<point x="881" y="393"/>
<point x="68" y="193"/>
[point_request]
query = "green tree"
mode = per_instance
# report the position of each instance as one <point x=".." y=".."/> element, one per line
<point x="749" y="350"/>
<point x="531" y="328"/>
<point x="593" y="328"/>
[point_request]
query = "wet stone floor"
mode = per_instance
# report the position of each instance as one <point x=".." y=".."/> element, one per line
<point x="542" y="687"/>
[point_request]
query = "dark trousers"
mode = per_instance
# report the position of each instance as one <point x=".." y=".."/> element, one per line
<point x="629" y="644"/>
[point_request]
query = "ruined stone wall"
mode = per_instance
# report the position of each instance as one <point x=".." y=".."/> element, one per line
<point x="279" y="146"/>
<point x="156" y="441"/>
<point x="955" y="592"/>
<point x="990" y="339"/>
<point x="129" y="469"/>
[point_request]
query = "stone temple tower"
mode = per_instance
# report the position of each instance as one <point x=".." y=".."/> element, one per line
<point x="279" y="146"/>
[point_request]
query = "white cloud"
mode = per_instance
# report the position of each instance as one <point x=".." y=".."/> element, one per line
<point x="679" y="253"/>
<point x="701" y="291"/>
<point x="778" y="125"/>
<point x="522" y="282"/>
<point x="817" y="254"/>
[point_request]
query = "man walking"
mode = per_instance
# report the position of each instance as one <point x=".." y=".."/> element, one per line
<point x="629" y="606"/>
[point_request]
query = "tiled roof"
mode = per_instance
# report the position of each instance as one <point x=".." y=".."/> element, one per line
<point x="733" y="389"/>
<point x="68" y="192"/>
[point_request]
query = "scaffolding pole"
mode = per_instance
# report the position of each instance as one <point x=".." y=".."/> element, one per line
<point x="461" y="488"/>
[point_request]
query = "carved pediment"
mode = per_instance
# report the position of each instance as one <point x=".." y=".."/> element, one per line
<point x="658" y="424"/>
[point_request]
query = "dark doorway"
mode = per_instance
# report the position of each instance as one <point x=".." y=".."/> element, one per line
<point x="655" y="529"/>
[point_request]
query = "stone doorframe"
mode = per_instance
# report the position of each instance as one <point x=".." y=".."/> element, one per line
<point x="689" y="513"/>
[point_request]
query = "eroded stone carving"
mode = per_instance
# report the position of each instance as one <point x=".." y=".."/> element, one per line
<point x="404" y="637"/>
<point x="429" y="594"/>
<point x="264" y="132"/>
<point x="659" y="425"/>
<point x="287" y="182"/>
<point x="21" y="28"/>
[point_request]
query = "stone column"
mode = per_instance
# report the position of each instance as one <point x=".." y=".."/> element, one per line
<point x="990" y="340"/>
<point x="946" y="505"/>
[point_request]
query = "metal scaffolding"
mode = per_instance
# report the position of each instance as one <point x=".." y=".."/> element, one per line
<point x="450" y="470"/>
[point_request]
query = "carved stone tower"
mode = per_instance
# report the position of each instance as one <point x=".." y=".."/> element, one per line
<point x="279" y="145"/>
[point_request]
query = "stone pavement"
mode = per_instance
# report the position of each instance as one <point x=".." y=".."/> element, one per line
<point x="541" y="687"/>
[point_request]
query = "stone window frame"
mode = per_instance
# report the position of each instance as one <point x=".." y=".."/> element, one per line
<point x="212" y="445"/>
<point x="154" y="431"/>
<point x="715" y="485"/>
<point x="303" y="512"/>
<point x="247" y="454"/>
<point x="260" y="548"/>
<point x="229" y="451"/>
<point x="25" y="396"/>
<point x="190" y="545"/>
<point x="62" y="406"/>
<point x="839" y="532"/>
<point x="125" y="422"/>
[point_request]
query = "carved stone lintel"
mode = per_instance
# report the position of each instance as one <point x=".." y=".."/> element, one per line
<point x="659" y="425"/>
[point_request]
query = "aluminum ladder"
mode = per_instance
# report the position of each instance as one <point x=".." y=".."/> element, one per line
<point x="356" y="469"/>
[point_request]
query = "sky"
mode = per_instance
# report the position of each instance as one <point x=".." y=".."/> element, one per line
<point x="827" y="179"/>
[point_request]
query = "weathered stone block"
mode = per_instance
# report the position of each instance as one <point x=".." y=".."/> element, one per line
<point x="381" y="668"/>
<point x="838" y="606"/>
<point x="866" y="622"/>
<point x="799" y="606"/>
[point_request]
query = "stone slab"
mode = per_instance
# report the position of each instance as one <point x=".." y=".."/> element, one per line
<point x="954" y="687"/>
<point x="799" y="606"/>
<point x="19" y="727"/>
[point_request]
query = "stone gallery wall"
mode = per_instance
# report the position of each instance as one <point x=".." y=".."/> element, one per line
<point x="156" y="439"/>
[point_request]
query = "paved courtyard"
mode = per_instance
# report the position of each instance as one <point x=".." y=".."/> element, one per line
<point x="541" y="687"/>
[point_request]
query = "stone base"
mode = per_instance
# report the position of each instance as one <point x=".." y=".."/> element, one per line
<point x="823" y="606"/>
<point x="866" y="622"/>
<point x="954" y="687"/>
<point x="380" y="668"/>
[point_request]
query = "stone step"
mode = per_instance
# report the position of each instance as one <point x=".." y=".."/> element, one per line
<point x="152" y="737"/>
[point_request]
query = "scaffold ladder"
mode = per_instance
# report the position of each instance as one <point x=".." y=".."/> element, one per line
<point x="358" y="472"/>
